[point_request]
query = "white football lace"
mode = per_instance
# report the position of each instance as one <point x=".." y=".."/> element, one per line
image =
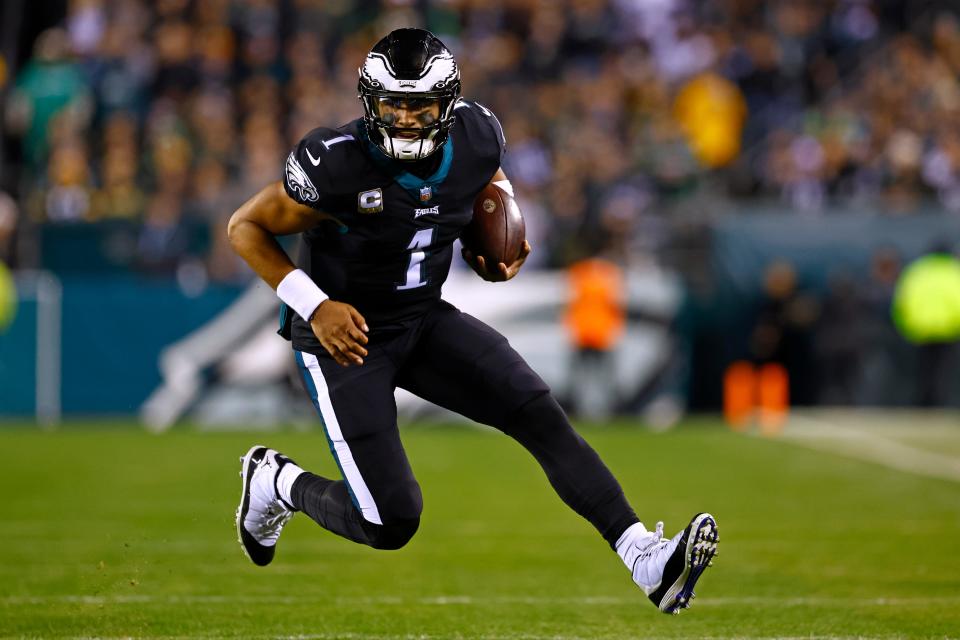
<point x="658" y="532"/>
<point x="647" y="568"/>
<point x="647" y="546"/>
<point x="272" y="523"/>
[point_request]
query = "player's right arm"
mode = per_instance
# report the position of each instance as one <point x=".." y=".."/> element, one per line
<point x="252" y="231"/>
<point x="254" y="226"/>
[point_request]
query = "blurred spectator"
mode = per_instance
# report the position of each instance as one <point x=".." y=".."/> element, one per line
<point x="8" y="297"/>
<point x="783" y="331"/>
<point x="840" y="342"/>
<point x="68" y="189"/>
<point x="120" y="195"/>
<point x="163" y="240"/>
<point x="51" y="97"/>
<point x="926" y="309"/>
<point x="885" y="355"/>
<point x="595" y="321"/>
<point x="711" y="111"/>
<point x="9" y="218"/>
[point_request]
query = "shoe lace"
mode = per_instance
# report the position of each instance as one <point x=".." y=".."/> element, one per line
<point x="270" y="520"/>
<point x="647" y="566"/>
<point x="273" y="521"/>
<point x="652" y="543"/>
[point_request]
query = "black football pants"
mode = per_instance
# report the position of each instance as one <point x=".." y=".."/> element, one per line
<point x="457" y="362"/>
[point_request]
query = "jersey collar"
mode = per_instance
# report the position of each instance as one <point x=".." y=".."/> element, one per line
<point x="414" y="185"/>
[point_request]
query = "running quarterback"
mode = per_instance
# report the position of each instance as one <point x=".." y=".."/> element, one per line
<point x="378" y="203"/>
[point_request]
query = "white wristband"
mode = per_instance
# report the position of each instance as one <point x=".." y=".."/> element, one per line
<point x="300" y="293"/>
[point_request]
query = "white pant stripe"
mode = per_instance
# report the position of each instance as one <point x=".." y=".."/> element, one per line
<point x="340" y="447"/>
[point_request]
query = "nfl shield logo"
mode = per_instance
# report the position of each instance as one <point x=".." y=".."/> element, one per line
<point x="425" y="193"/>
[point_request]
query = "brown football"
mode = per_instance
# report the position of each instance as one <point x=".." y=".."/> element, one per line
<point x="496" y="231"/>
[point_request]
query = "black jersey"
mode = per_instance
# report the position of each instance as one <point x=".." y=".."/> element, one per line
<point x="392" y="253"/>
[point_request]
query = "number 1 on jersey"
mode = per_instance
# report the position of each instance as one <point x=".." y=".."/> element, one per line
<point x="415" y="276"/>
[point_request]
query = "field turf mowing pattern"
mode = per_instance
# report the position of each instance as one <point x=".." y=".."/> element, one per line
<point x="108" y="531"/>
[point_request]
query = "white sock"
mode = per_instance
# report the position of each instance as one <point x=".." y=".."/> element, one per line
<point x="625" y="548"/>
<point x="285" y="479"/>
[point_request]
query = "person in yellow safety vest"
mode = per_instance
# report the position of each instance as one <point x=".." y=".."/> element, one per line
<point x="926" y="311"/>
<point x="8" y="298"/>
<point x="595" y="321"/>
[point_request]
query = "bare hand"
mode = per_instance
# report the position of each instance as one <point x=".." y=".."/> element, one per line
<point x="341" y="330"/>
<point x="502" y="272"/>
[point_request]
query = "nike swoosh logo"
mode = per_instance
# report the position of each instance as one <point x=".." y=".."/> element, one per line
<point x="314" y="161"/>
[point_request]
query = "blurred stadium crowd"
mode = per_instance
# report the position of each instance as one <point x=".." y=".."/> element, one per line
<point x="624" y="118"/>
<point x="615" y="110"/>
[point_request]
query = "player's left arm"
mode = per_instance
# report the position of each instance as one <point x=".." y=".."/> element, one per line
<point x="501" y="272"/>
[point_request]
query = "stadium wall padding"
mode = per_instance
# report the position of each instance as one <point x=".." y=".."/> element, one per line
<point x="113" y="329"/>
<point x="18" y="362"/>
<point x="818" y="246"/>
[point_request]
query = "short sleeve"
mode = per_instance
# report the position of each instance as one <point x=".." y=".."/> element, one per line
<point x="324" y="165"/>
<point x="484" y="131"/>
<point x="303" y="173"/>
<point x="498" y="134"/>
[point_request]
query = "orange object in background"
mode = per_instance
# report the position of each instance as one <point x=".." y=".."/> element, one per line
<point x="596" y="314"/>
<point x="739" y="386"/>
<point x="763" y="393"/>
<point x="774" y="397"/>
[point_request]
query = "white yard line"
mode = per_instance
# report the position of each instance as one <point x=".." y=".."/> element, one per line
<point x="447" y="600"/>
<point x="371" y="636"/>
<point x="863" y="444"/>
<point x="518" y="636"/>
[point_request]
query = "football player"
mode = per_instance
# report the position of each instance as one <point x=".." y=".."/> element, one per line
<point x="378" y="203"/>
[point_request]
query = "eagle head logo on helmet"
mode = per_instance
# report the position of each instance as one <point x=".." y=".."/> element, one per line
<point x="409" y="85"/>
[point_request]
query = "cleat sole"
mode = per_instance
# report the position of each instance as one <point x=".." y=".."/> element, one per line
<point x="701" y="547"/>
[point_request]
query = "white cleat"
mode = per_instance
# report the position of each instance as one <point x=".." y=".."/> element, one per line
<point x="668" y="570"/>
<point x="262" y="513"/>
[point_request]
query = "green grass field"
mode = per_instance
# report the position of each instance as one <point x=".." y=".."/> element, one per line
<point x="112" y="532"/>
